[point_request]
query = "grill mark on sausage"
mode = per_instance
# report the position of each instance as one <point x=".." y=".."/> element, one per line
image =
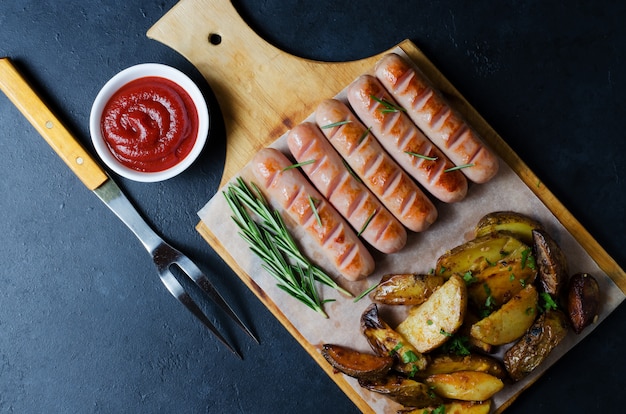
<point x="357" y="203"/>
<point x="348" y="256"/>
<point x="458" y="134"/>
<point x="332" y="233"/>
<point x="440" y="118"/>
<point x="392" y="184"/>
<point x="407" y="203"/>
<point x="299" y="203"/>
<point x="372" y="165"/>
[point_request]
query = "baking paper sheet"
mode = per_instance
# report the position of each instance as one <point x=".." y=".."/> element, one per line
<point x="454" y="226"/>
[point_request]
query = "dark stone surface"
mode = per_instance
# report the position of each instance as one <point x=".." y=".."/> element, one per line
<point x="85" y="324"/>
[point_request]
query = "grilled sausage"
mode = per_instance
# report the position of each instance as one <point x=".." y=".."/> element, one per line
<point x="444" y="126"/>
<point x="378" y="171"/>
<point x="349" y="196"/>
<point x="294" y="195"/>
<point x="404" y="141"/>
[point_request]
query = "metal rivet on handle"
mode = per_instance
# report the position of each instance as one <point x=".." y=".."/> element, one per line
<point x="49" y="124"/>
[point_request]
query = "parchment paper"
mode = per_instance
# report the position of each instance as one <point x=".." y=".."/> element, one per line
<point x="454" y="226"/>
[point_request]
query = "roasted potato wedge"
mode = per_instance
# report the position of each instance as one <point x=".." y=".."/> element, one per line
<point x="406" y="288"/>
<point x="454" y="407"/>
<point x="509" y="322"/>
<point x="385" y="341"/>
<point x="402" y="390"/>
<point x="449" y="363"/>
<point x="511" y="222"/>
<point x="356" y="364"/>
<point x="465" y="385"/>
<point x="533" y="348"/>
<point x="583" y="301"/>
<point x="497" y="284"/>
<point x="430" y="324"/>
<point x="477" y="254"/>
<point x="551" y="264"/>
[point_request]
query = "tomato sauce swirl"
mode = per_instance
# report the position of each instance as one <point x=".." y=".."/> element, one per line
<point x="150" y="124"/>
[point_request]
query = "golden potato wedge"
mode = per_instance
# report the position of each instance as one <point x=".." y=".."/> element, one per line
<point x="454" y="407"/>
<point x="448" y="363"/>
<point x="509" y="322"/>
<point x="551" y="263"/>
<point x="356" y="364"/>
<point x="536" y="344"/>
<point x="511" y="222"/>
<point x="405" y="391"/>
<point x="497" y="284"/>
<point x="465" y="385"/>
<point x="431" y="324"/>
<point x="385" y="341"/>
<point x="477" y="254"/>
<point x="406" y="288"/>
<point x="583" y="301"/>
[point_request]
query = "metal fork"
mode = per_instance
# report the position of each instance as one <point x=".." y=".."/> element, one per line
<point x="97" y="180"/>
<point x="165" y="256"/>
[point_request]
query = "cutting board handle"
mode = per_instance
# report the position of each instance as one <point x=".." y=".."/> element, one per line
<point x="17" y="89"/>
<point x="249" y="76"/>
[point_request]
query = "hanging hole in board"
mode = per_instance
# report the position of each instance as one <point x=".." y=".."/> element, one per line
<point x="215" y="39"/>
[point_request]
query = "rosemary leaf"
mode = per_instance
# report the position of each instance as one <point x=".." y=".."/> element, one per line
<point x="415" y="154"/>
<point x="458" y="167"/>
<point x="315" y="213"/>
<point x="366" y="292"/>
<point x="335" y="124"/>
<point x="351" y="171"/>
<point x="300" y="164"/>
<point x="387" y="106"/>
<point x="365" y="134"/>
<point x="367" y="222"/>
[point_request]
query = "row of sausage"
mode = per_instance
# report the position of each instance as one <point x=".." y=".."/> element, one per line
<point x="370" y="164"/>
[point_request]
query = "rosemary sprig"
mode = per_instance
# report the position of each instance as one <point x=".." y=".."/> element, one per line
<point x="415" y="154"/>
<point x="271" y="241"/>
<point x="387" y="106"/>
<point x="300" y="164"/>
<point x="335" y="124"/>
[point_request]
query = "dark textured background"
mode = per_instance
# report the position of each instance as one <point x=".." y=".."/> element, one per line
<point x="85" y="324"/>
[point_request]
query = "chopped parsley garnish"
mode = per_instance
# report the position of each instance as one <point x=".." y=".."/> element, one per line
<point x="458" y="345"/>
<point x="469" y="278"/>
<point x="548" y="302"/>
<point x="528" y="259"/>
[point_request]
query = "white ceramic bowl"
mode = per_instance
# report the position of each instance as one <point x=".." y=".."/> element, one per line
<point x="121" y="79"/>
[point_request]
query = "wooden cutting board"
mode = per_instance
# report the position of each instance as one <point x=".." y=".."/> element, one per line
<point x="263" y="92"/>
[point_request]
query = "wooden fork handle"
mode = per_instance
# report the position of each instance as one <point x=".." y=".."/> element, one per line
<point x="17" y="89"/>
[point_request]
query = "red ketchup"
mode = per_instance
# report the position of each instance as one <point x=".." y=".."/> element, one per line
<point x="150" y="124"/>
